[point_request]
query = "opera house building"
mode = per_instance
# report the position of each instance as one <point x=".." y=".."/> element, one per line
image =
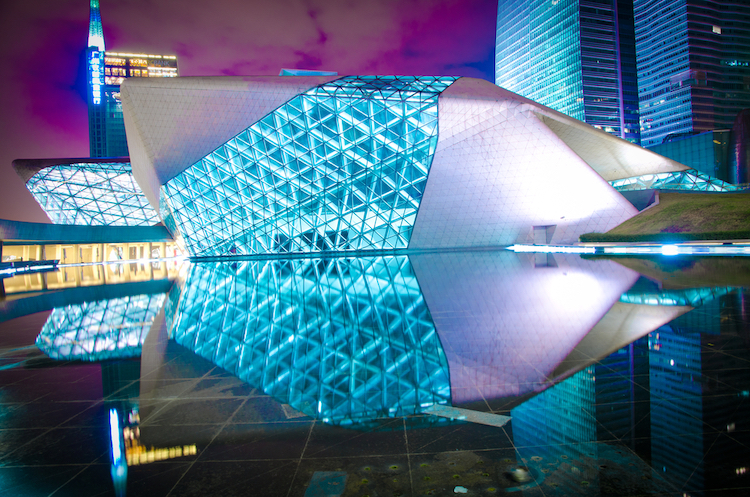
<point x="299" y="164"/>
<point x="349" y="321"/>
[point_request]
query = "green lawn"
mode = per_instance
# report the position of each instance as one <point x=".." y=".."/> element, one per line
<point x="683" y="217"/>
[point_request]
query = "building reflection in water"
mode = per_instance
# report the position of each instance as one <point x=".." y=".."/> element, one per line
<point x="674" y="397"/>
<point x="579" y="351"/>
<point x="341" y="340"/>
<point x="81" y="264"/>
<point x="101" y="330"/>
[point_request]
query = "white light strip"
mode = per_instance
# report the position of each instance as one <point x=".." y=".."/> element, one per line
<point x="553" y="249"/>
<point x="674" y="249"/>
<point x="124" y="261"/>
<point x="114" y="434"/>
<point x="26" y="269"/>
<point x="668" y="249"/>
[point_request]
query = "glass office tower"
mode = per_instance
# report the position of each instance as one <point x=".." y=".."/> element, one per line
<point x="575" y="56"/>
<point x="106" y="70"/>
<point x="693" y="65"/>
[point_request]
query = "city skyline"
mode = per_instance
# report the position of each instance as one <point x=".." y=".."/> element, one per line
<point x="692" y="66"/>
<point x="577" y="57"/>
<point x="43" y="73"/>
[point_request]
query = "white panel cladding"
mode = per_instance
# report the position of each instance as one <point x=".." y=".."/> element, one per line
<point x="506" y="325"/>
<point x="611" y="157"/>
<point x="172" y="123"/>
<point x="499" y="171"/>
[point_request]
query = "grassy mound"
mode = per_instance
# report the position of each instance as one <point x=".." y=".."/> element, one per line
<point x="685" y="217"/>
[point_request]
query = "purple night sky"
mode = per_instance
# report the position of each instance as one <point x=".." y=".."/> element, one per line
<point x="42" y="77"/>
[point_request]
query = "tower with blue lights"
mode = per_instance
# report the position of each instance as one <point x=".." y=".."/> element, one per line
<point x="95" y="61"/>
<point x="106" y="70"/>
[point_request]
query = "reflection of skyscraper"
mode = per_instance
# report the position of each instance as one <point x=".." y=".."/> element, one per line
<point x="622" y="395"/>
<point x="677" y="450"/>
<point x="693" y="65"/>
<point x="576" y="57"/>
<point x="106" y="70"/>
<point x="558" y="421"/>
<point x="726" y="390"/>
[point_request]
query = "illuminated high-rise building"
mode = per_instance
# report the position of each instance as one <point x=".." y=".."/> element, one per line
<point x="693" y="65"/>
<point x="106" y="70"/>
<point x="575" y="56"/>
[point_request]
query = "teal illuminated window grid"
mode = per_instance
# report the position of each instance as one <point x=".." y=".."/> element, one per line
<point x="340" y="167"/>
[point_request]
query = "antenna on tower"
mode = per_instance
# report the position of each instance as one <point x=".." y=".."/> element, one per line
<point x="96" y="33"/>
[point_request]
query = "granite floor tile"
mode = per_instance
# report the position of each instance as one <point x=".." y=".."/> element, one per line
<point x="199" y="411"/>
<point x="237" y="478"/>
<point x="282" y="440"/>
<point x="383" y="437"/>
<point x="37" y="481"/>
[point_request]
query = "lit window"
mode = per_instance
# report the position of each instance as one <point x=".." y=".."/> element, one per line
<point x="717" y="30"/>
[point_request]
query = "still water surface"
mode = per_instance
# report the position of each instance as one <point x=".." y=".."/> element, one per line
<point x="424" y="374"/>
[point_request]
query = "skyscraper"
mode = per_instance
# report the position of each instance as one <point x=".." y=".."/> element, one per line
<point x="106" y="70"/>
<point x="575" y="56"/>
<point x="693" y="65"/>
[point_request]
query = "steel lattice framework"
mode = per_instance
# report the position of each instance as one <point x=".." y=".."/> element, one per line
<point x="342" y="340"/>
<point x="692" y="180"/>
<point x="340" y="167"/>
<point x="92" y="194"/>
<point x="101" y="330"/>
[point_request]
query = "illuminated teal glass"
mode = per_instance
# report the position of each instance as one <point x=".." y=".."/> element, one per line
<point x="91" y="194"/>
<point x="693" y="297"/>
<point x="101" y="330"/>
<point x="340" y="167"/>
<point x="692" y="180"/>
<point x="342" y="340"/>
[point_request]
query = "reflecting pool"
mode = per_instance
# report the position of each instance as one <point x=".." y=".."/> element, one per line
<point x="484" y="372"/>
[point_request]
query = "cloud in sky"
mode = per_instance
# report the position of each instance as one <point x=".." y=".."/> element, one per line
<point x="44" y="112"/>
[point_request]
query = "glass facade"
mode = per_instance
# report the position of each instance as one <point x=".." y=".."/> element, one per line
<point x="693" y="65"/>
<point x="538" y="53"/>
<point x="575" y="56"/>
<point x="675" y="373"/>
<point x="342" y="340"/>
<point x="92" y="194"/>
<point x="568" y="429"/>
<point x="342" y="166"/>
<point x="101" y="330"/>
<point x="705" y="152"/>
<point x="682" y="180"/>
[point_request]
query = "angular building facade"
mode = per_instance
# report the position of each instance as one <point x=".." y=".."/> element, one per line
<point x="87" y="192"/>
<point x="255" y="165"/>
<point x="106" y="70"/>
<point x="693" y="65"/>
<point x="575" y="56"/>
